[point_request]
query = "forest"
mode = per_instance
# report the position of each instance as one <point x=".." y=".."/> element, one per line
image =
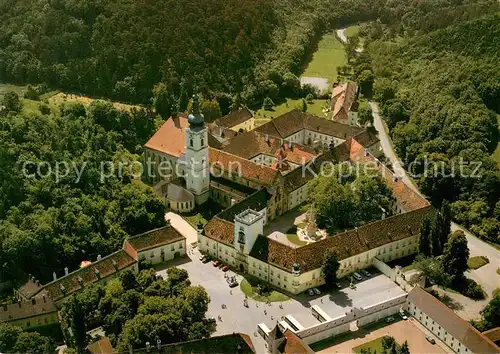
<point x="48" y="223"/>
<point x="223" y="48"/>
<point x="440" y="95"/>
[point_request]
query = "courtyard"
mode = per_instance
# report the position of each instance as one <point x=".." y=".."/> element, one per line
<point x="402" y="331"/>
<point x="235" y="317"/>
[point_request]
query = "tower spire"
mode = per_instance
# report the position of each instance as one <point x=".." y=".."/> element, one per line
<point x="195" y="118"/>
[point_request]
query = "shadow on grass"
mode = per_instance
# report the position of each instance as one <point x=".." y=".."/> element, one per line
<point x="360" y="333"/>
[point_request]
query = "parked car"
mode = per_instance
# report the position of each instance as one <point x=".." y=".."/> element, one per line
<point x="316" y="291"/>
<point x="206" y="259"/>
<point x="202" y="257"/>
<point x="225" y="268"/>
<point x="430" y="340"/>
<point x="357" y="276"/>
<point x="210" y="320"/>
<point x="215" y="263"/>
<point x="366" y="273"/>
<point x="310" y="292"/>
<point x="403" y="316"/>
<point x="389" y="319"/>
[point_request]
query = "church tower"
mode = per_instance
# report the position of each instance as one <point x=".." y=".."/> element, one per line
<point x="197" y="167"/>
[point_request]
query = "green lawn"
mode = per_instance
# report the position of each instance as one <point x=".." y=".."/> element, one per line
<point x="293" y="238"/>
<point x="477" y="262"/>
<point x="352" y="31"/>
<point x="375" y="346"/>
<point x="248" y="286"/>
<point x="329" y="55"/>
<point x="315" y="107"/>
<point x="4" y="88"/>
<point x="195" y="219"/>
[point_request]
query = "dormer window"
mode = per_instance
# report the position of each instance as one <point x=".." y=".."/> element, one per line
<point x="202" y="141"/>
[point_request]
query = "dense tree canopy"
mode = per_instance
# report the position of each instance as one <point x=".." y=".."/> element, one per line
<point x="139" y="308"/>
<point x="123" y="48"/>
<point x="439" y="94"/>
<point x="49" y="222"/>
<point x="345" y="203"/>
<point x="14" y="340"/>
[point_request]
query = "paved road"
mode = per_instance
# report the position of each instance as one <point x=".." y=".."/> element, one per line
<point x="486" y="275"/>
<point x="238" y="318"/>
<point x="341" y="35"/>
<point x="183" y="227"/>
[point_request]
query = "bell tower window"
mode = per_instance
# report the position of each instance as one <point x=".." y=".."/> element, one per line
<point x="191" y="142"/>
<point x="202" y="142"/>
<point x="241" y="236"/>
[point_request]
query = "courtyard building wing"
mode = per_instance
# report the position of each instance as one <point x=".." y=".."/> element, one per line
<point x="457" y="327"/>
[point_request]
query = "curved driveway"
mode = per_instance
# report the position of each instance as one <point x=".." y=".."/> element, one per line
<point x="486" y="275"/>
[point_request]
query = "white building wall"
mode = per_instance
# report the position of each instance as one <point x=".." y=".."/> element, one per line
<point x="323" y="138"/>
<point x="153" y="255"/>
<point x="436" y="329"/>
<point x="298" y="196"/>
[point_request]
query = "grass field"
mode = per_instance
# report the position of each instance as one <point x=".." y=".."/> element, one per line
<point x="293" y="238"/>
<point x="316" y="107"/>
<point x="4" y="88"/>
<point x="352" y="31"/>
<point x="374" y="345"/>
<point x="477" y="262"/>
<point x="248" y="284"/>
<point x="329" y="55"/>
<point x="61" y="97"/>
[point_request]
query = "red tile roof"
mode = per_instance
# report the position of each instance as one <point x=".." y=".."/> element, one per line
<point x="406" y="196"/>
<point x="343" y="98"/>
<point x="234" y="118"/>
<point x="169" y="139"/>
<point x="262" y="175"/>
<point x="76" y="280"/>
<point x="294" y="345"/>
<point x="152" y="239"/>
<point x="295" y="121"/>
<point x="220" y="230"/>
<point x="254" y="143"/>
<point x="493" y="334"/>
<point x="474" y="340"/>
<point x="345" y="244"/>
<point x="102" y="346"/>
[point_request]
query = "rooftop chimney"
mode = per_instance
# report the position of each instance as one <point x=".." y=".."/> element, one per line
<point x="99" y="257"/>
<point x="66" y="271"/>
<point x="97" y="274"/>
<point x="54" y="276"/>
<point x="38" y="282"/>
<point x="395" y="177"/>
<point x="158" y="344"/>
<point x="80" y="281"/>
<point x="267" y="138"/>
